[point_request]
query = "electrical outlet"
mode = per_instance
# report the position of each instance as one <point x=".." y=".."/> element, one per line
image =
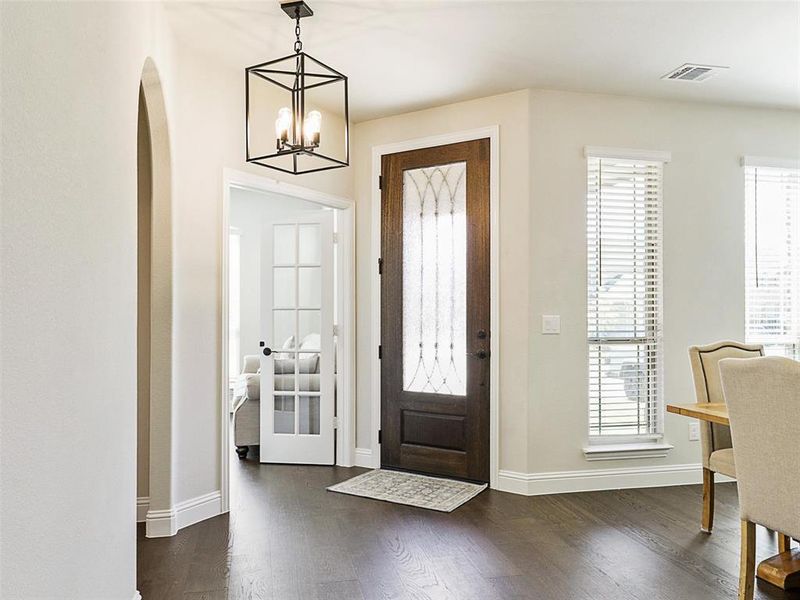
<point x="694" y="431"/>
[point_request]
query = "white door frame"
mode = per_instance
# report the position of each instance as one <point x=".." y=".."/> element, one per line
<point x="372" y="456"/>
<point x="345" y="341"/>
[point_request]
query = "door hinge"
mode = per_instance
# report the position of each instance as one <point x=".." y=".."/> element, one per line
<point x="380" y="266"/>
<point x="335" y="237"/>
<point x="380" y="182"/>
<point x="336" y="422"/>
<point x="380" y="436"/>
<point x="380" y="352"/>
<point x="335" y="330"/>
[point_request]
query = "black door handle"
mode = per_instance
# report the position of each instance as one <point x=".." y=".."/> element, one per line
<point x="267" y="351"/>
<point x="480" y="354"/>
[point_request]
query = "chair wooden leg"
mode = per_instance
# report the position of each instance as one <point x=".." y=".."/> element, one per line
<point x="747" y="561"/>
<point x="708" y="501"/>
<point x="784" y="543"/>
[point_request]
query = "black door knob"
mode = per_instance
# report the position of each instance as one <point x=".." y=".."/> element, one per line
<point x="267" y="351"/>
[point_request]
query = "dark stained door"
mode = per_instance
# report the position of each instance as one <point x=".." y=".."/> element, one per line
<point x="435" y="310"/>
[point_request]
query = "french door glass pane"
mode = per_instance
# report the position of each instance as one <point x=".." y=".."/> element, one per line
<point x="434" y="279"/>
<point x="284" y="414"/>
<point x="309" y="415"/>
<point x="309" y="287"/>
<point x="310" y="252"/>
<point x="308" y="324"/>
<point x="284" y="246"/>
<point x="283" y="287"/>
<point x="308" y="372"/>
<point x="283" y="329"/>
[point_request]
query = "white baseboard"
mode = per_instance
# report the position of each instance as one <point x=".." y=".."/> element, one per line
<point x="142" y="506"/>
<point x="166" y="523"/>
<point x="137" y="595"/>
<point x="198" y="509"/>
<point x="591" y="480"/>
<point x="364" y="458"/>
<point x="160" y="523"/>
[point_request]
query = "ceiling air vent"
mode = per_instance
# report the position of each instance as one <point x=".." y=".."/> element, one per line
<point x="692" y="72"/>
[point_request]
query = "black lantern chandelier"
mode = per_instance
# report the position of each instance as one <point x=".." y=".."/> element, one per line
<point x="293" y="97"/>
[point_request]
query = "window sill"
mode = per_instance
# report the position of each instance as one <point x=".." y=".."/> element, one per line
<point x="626" y="451"/>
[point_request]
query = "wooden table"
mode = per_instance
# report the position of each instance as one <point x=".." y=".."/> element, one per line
<point x="782" y="569"/>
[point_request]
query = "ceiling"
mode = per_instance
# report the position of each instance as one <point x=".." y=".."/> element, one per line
<point x="408" y="55"/>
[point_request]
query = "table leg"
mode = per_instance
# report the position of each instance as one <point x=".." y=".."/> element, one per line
<point x="782" y="570"/>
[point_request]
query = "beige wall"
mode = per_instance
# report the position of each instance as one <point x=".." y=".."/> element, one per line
<point x="703" y="247"/>
<point x="207" y="136"/>
<point x="543" y="379"/>
<point x="510" y="112"/>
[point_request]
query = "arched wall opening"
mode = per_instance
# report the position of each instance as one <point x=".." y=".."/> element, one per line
<point x="155" y="319"/>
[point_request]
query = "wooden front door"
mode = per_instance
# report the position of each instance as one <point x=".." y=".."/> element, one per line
<point x="435" y="310"/>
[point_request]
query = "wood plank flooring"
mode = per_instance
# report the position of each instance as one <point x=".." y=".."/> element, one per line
<point x="287" y="538"/>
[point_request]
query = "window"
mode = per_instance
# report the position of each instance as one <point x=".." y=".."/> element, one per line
<point x="624" y="296"/>
<point x="772" y="258"/>
<point x="235" y="305"/>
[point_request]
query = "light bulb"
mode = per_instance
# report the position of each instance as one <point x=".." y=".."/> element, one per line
<point x="312" y="126"/>
<point x="282" y="124"/>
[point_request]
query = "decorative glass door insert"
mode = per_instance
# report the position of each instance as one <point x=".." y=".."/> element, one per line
<point x="434" y="279"/>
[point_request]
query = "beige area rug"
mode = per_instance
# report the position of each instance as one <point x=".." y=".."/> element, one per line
<point x="433" y="493"/>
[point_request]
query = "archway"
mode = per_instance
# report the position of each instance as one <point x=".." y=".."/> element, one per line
<point x="154" y="331"/>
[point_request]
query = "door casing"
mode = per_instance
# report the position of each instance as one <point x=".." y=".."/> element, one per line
<point x="345" y="267"/>
<point x="370" y="456"/>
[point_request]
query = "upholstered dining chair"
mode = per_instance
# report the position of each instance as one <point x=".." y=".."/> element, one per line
<point x="715" y="439"/>
<point x="763" y="398"/>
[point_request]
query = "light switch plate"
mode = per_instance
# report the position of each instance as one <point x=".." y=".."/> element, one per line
<point x="551" y="324"/>
<point x="694" y="431"/>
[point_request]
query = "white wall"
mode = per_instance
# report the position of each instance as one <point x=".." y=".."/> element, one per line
<point x="703" y="247"/>
<point x="70" y="84"/>
<point x="249" y="211"/>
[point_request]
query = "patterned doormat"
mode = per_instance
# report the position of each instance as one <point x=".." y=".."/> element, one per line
<point x="433" y="493"/>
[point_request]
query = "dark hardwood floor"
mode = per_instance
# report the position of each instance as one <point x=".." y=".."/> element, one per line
<point x="287" y="538"/>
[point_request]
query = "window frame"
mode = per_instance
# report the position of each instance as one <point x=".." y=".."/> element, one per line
<point x="642" y="445"/>
<point x="792" y="168"/>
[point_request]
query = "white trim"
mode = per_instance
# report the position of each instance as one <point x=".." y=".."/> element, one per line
<point x="765" y="161"/>
<point x="160" y="523"/>
<point x="198" y="509"/>
<point x="626" y="451"/>
<point x="142" y="506"/>
<point x="137" y="595"/>
<point x="493" y="133"/>
<point x="593" y="480"/>
<point x="365" y="459"/>
<point x="345" y="396"/>
<point x="166" y="523"/>
<point x="627" y="153"/>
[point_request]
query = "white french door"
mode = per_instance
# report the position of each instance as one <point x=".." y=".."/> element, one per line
<point x="297" y="358"/>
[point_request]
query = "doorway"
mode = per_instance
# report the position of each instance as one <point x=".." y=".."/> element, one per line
<point x="288" y="324"/>
<point x="436" y="276"/>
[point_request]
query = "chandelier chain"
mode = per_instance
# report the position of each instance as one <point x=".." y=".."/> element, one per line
<point x="298" y="45"/>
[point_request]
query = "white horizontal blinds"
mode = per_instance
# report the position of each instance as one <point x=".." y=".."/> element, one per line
<point x="772" y="259"/>
<point x="624" y="296"/>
